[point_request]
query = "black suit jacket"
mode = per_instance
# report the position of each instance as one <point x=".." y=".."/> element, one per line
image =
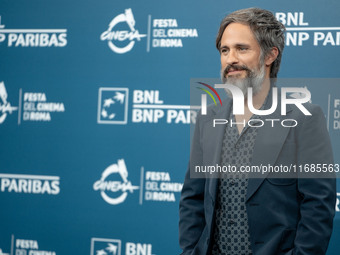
<point x="285" y="215"/>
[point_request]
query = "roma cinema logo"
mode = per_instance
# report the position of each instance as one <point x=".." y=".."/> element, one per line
<point x="113" y="36"/>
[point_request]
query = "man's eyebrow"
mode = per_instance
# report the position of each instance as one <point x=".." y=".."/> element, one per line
<point x="242" y="45"/>
<point x="238" y="45"/>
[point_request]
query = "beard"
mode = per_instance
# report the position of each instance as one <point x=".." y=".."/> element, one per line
<point x="253" y="79"/>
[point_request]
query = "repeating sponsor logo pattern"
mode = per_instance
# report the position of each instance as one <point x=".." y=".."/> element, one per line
<point x="113" y="36"/>
<point x="30" y="184"/>
<point x="33" y="37"/>
<point x="113" y="105"/>
<point x="114" y="185"/>
<point x="104" y="246"/>
<point x="161" y="33"/>
<point x="21" y="246"/>
<point x="114" y="191"/>
<point x="300" y="33"/>
<point x="5" y="106"/>
<point x="147" y="107"/>
<point x="33" y="106"/>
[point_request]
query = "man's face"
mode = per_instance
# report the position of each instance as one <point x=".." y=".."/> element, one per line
<point x="240" y="58"/>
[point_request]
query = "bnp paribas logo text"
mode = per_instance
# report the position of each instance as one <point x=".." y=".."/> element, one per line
<point x="32" y="37"/>
<point x="122" y="38"/>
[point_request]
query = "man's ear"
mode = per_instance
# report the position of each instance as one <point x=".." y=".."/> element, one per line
<point x="271" y="56"/>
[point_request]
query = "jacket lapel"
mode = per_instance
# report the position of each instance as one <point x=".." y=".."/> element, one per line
<point x="218" y="131"/>
<point x="268" y="144"/>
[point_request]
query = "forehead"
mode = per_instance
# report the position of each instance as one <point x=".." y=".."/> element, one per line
<point x="236" y="33"/>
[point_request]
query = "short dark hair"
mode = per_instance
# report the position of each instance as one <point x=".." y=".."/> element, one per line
<point x="268" y="31"/>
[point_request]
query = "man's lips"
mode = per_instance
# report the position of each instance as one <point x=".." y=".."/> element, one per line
<point x="231" y="72"/>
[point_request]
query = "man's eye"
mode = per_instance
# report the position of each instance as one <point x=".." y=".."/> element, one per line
<point x="224" y="50"/>
<point x="243" y="48"/>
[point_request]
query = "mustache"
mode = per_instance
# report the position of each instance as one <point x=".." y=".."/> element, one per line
<point x="236" y="68"/>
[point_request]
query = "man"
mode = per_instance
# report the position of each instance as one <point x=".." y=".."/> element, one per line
<point x="240" y="214"/>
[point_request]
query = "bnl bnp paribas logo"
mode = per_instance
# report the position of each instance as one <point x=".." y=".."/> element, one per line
<point x="5" y="105"/>
<point x="114" y="185"/>
<point x="121" y="40"/>
<point x="112" y="105"/>
<point x="299" y="32"/>
<point x="147" y="107"/>
<point x="106" y="246"/>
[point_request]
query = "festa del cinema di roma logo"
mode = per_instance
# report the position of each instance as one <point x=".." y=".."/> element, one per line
<point x="5" y="106"/>
<point x="116" y="37"/>
<point x="113" y="184"/>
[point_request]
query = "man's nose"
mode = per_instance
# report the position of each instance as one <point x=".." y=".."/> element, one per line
<point x="232" y="57"/>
